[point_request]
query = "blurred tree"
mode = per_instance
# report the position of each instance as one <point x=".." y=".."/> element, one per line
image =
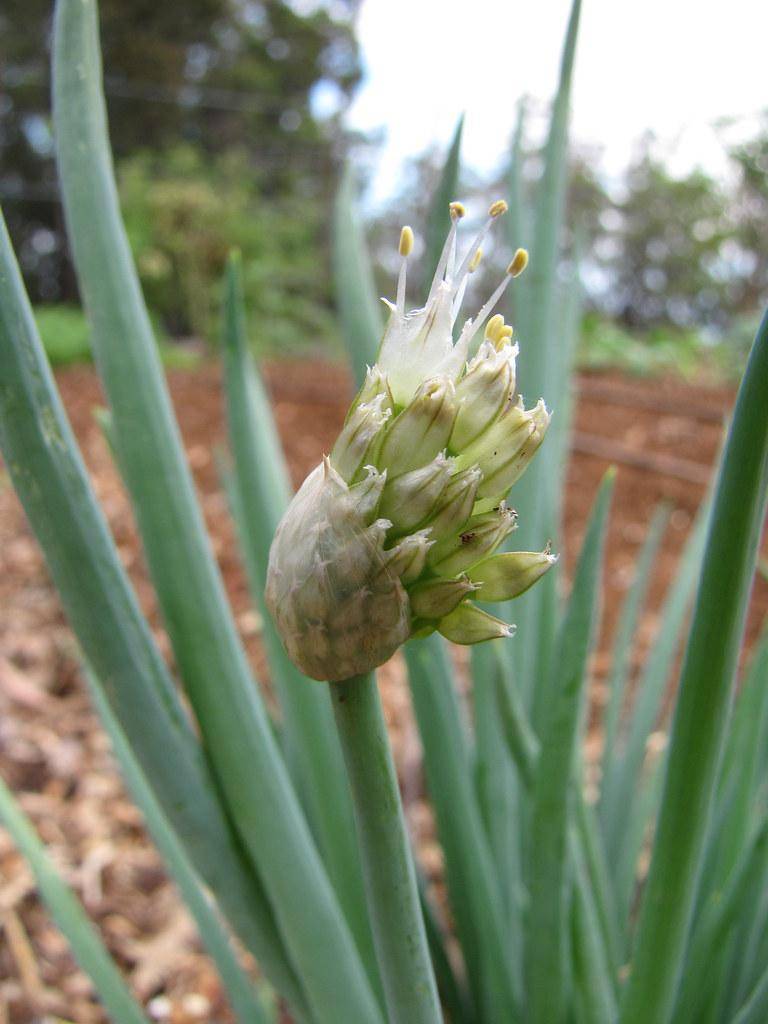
<point x="589" y="205"/>
<point x="666" y="262"/>
<point x="587" y="201"/>
<point x="184" y="211"/>
<point x="749" y="210"/>
<point x="411" y="203"/>
<point x="249" y="74"/>
<point x="658" y="249"/>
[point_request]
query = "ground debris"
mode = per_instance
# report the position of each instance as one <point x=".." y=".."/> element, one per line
<point x="56" y="758"/>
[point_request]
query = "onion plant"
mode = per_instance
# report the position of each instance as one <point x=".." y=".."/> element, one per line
<point x="287" y="837"/>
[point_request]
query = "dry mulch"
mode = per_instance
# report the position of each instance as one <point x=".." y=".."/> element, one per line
<point x="54" y="755"/>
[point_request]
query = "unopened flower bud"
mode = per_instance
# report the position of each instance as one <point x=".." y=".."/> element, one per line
<point x="357" y="435"/>
<point x="469" y="624"/>
<point x="499" y="474"/>
<point x="421" y="430"/>
<point x="375" y="384"/>
<point x="502" y="577"/>
<point x="479" y="537"/>
<point x="436" y="598"/>
<point x="497" y="445"/>
<point x="408" y="558"/>
<point x="366" y="494"/>
<point x="482" y="392"/>
<point x="411" y="498"/>
<point x="455" y="504"/>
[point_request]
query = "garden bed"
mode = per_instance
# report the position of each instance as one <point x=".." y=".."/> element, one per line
<point x="663" y="435"/>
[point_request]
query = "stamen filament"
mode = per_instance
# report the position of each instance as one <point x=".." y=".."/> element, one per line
<point x="448" y="255"/>
<point x="473" y="326"/>
<point x="451" y="263"/>
<point x="400" y="302"/>
<point x="496" y="209"/>
<point x="459" y="298"/>
<point x="470" y="254"/>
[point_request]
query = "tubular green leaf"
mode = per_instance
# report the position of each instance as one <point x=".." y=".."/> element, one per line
<point x="594" y="895"/>
<point x="48" y="473"/>
<point x="388" y="869"/>
<point x="361" y="321"/>
<point x="739" y="802"/>
<point x="721" y="911"/>
<point x="701" y="713"/>
<point x="599" y="885"/>
<point x="438" y="220"/>
<point x="545" y="950"/>
<point x="620" y="785"/>
<point x="90" y="952"/>
<point x="211" y="660"/>
<point x="497" y="788"/>
<point x="595" y="996"/>
<point x="260" y="492"/>
<point x="470" y="874"/>
<point x="262" y="472"/>
<point x="238" y="986"/>
<point x="517" y="227"/>
<point x="453" y="995"/>
<point x="543" y="348"/>
<point x="749" y="959"/>
<point x="521" y="740"/>
<point x="755" y="1009"/>
<point x="624" y="871"/>
<point x="536" y="356"/>
<point x="741" y="777"/>
<point x="622" y="646"/>
<point x="542" y="368"/>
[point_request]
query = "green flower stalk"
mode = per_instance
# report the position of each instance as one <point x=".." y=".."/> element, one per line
<point x="393" y="533"/>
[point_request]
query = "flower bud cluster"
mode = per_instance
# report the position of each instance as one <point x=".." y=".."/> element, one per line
<point x="394" y="533"/>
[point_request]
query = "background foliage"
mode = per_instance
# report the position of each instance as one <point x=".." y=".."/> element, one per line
<point x="210" y="104"/>
<point x="217" y="143"/>
<point x="184" y="212"/>
<point x="547" y="915"/>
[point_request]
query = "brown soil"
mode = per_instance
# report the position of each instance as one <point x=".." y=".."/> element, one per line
<point x="56" y="758"/>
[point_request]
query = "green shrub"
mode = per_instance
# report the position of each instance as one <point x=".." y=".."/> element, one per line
<point x="604" y="344"/>
<point x="184" y="213"/>
<point x="64" y="333"/>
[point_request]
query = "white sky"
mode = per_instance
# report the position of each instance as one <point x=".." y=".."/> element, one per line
<point x="673" y="66"/>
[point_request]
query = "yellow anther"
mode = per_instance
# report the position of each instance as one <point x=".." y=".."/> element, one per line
<point x="502" y="337"/>
<point x="456" y="210"/>
<point x="494" y="326"/>
<point x="474" y="263"/>
<point x="498" y="208"/>
<point x="519" y="263"/>
<point x="406" y="241"/>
